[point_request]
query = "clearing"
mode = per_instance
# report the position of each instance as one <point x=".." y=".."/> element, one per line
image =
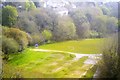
<point x="74" y="59"/>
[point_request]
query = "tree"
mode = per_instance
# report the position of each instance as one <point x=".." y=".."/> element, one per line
<point x="29" y="5"/>
<point x="65" y="30"/>
<point x="36" y="38"/>
<point x="83" y="30"/>
<point x="0" y="17"/>
<point x="89" y="17"/>
<point x="110" y="64"/>
<point x="47" y="35"/>
<point x="53" y="19"/>
<point x="20" y="36"/>
<point x="112" y="25"/>
<point x="105" y="25"/>
<point x="42" y="19"/>
<point x="38" y="25"/>
<point x="26" y="22"/>
<point x="9" y="16"/>
<point x="113" y="8"/>
<point x="9" y="45"/>
<point x="118" y="25"/>
<point x="100" y="25"/>
<point x="105" y="10"/>
<point x="81" y="23"/>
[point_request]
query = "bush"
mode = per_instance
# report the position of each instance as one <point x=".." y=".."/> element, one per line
<point x="9" y="45"/>
<point x="27" y="23"/>
<point x="35" y="39"/>
<point x="47" y="35"/>
<point x="65" y="30"/>
<point x="19" y="36"/>
<point x="110" y="63"/>
<point x="9" y="16"/>
<point x="94" y="34"/>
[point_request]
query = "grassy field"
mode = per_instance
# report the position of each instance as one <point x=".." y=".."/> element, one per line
<point x="42" y="64"/>
<point x="82" y="46"/>
<point x="35" y="64"/>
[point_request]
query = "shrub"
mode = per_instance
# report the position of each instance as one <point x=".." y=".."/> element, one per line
<point x="9" y="45"/>
<point x="94" y="34"/>
<point x="9" y="16"/>
<point x="65" y="30"/>
<point x="35" y="39"/>
<point x="47" y="35"/>
<point x="110" y="63"/>
<point x="19" y="36"/>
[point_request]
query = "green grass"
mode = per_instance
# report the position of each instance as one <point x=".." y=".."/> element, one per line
<point x="90" y="72"/>
<point x="35" y="64"/>
<point x="31" y="63"/>
<point x="27" y="56"/>
<point x="41" y="65"/>
<point x="82" y="46"/>
<point x="68" y="69"/>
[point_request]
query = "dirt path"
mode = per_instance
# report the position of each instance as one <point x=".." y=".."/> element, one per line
<point x="92" y="58"/>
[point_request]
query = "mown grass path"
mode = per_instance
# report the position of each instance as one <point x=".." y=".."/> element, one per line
<point x="86" y="46"/>
<point x="91" y="60"/>
<point x="69" y="59"/>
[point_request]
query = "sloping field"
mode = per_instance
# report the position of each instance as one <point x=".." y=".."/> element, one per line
<point x="88" y="46"/>
<point x="55" y="63"/>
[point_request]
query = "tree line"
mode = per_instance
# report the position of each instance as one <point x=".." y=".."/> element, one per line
<point x="39" y="25"/>
<point x="26" y="26"/>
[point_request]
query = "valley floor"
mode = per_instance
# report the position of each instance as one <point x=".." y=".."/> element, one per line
<point x="42" y="62"/>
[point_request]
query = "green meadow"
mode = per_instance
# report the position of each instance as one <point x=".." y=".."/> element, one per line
<point x="38" y="64"/>
<point x="85" y="46"/>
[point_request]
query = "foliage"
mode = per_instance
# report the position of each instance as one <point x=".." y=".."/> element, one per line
<point x="81" y="23"/>
<point x="9" y="45"/>
<point x="105" y="25"/>
<point x="94" y="34"/>
<point x="43" y="25"/>
<point x="100" y="25"/>
<point x="42" y="19"/>
<point x="18" y="35"/>
<point x="36" y="23"/>
<point x="113" y="8"/>
<point x="0" y="16"/>
<point x="90" y="17"/>
<point x="105" y="10"/>
<point x="29" y="5"/>
<point x="83" y="30"/>
<point x="26" y="25"/>
<point x="118" y="24"/>
<point x="47" y="34"/>
<point x="33" y="63"/>
<point x="110" y="64"/>
<point x="96" y="11"/>
<point x="35" y="39"/>
<point x="90" y="73"/>
<point x="10" y="71"/>
<point x="9" y="16"/>
<point x="65" y="29"/>
<point x="112" y="25"/>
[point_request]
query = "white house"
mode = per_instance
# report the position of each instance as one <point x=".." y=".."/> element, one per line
<point x="57" y="5"/>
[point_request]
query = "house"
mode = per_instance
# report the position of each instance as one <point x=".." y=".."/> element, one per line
<point x="57" y="5"/>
